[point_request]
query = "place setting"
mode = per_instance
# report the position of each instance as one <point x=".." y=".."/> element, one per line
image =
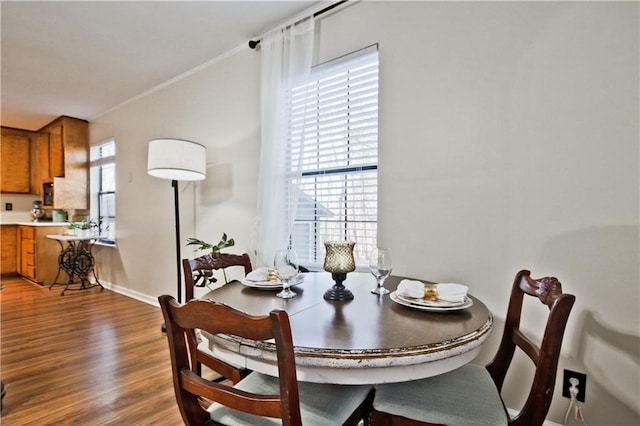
<point x="281" y="276"/>
<point x="440" y="297"/>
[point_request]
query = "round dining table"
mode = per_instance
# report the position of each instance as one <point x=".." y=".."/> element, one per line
<point x="371" y="339"/>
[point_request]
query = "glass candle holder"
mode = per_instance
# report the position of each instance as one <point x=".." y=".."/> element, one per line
<point x="339" y="261"/>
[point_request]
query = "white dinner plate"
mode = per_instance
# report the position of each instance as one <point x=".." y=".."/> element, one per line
<point x="431" y="306"/>
<point x="430" y="302"/>
<point x="271" y="285"/>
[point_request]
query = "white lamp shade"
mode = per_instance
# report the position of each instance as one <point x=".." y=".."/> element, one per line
<point x="177" y="159"/>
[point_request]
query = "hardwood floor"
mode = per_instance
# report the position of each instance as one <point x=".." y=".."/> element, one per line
<point x="86" y="358"/>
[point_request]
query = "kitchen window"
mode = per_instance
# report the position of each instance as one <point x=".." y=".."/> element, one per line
<point x="332" y="156"/>
<point x="103" y="189"/>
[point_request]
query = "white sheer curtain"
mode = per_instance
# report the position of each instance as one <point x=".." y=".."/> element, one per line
<point x="286" y="63"/>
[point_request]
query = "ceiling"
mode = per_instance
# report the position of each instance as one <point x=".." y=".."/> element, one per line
<point x="83" y="58"/>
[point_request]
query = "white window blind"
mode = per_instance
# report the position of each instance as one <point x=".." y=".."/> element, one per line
<point x="103" y="188"/>
<point x="333" y="156"/>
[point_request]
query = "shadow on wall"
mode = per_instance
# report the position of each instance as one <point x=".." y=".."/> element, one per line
<point x="601" y="266"/>
<point x="218" y="185"/>
<point x="595" y="258"/>
<point x="109" y="267"/>
<point x="600" y="347"/>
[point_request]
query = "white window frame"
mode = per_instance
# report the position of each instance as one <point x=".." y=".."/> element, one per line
<point x="103" y="155"/>
<point x="332" y="157"/>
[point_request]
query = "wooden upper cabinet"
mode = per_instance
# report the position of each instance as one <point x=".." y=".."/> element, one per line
<point x="68" y="156"/>
<point x="56" y="151"/>
<point x="52" y="162"/>
<point x="43" y="157"/>
<point x="15" y="157"/>
<point x="51" y="153"/>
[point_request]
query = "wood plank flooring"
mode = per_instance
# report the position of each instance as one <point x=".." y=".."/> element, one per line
<point x="86" y="358"/>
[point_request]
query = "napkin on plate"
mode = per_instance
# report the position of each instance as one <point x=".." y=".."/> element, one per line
<point x="452" y="292"/>
<point x="258" y="275"/>
<point x="449" y="292"/>
<point x="411" y="288"/>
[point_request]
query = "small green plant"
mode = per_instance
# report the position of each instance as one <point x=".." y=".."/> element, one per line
<point x="88" y="224"/>
<point x="203" y="277"/>
<point x="203" y="245"/>
<point x="71" y="228"/>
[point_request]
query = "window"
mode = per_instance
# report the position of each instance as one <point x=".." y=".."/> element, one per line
<point x="332" y="156"/>
<point x="103" y="188"/>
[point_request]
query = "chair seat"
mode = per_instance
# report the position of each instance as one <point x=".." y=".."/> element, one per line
<point x="463" y="397"/>
<point x="320" y="404"/>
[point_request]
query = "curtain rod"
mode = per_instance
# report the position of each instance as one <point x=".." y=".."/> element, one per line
<point x="254" y="43"/>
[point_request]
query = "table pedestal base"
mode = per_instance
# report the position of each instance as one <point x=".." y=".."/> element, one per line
<point x="76" y="260"/>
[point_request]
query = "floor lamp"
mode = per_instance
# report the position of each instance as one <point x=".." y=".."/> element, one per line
<point x="177" y="160"/>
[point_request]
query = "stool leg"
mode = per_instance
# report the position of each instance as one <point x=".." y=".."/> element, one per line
<point x="3" y="391"/>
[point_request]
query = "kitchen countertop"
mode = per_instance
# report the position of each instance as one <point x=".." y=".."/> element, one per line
<point x="39" y="223"/>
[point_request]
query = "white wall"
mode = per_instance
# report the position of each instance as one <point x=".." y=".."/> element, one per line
<point x="508" y="140"/>
<point x="217" y="106"/>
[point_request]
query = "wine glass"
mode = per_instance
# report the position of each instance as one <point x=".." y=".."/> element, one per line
<point x="380" y="265"/>
<point x="286" y="263"/>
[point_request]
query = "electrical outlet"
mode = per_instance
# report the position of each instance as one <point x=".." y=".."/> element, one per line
<point x="8" y="206"/>
<point x="582" y="385"/>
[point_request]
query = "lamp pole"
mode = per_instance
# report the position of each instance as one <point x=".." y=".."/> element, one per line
<point x="174" y="183"/>
<point x="177" y="160"/>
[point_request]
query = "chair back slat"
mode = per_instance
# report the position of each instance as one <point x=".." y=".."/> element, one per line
<point x="547" y="289"/>
<point x="218" y="260"/>
<point x="261" y="405"/>
<point x="209" y="262"/>
<point x="528" y="347"/>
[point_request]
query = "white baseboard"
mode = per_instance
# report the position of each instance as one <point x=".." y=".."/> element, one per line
<point x="546" y="422"/>
<point x="130" y="293"/>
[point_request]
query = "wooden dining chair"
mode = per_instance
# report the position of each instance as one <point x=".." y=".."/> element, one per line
<point x="470" y="395"/>
<point x="209" y="262"/>
<point x="257" y="399"/>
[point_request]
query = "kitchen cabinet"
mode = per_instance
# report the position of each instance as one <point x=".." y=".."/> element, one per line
<point x="38" y="255"/>
<point x="52" y="162"/>
<point x="9" y="239"/>
<point x="15" y="157"/>
<point x="64" y="163"/>
<point x="51" y="153"/>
